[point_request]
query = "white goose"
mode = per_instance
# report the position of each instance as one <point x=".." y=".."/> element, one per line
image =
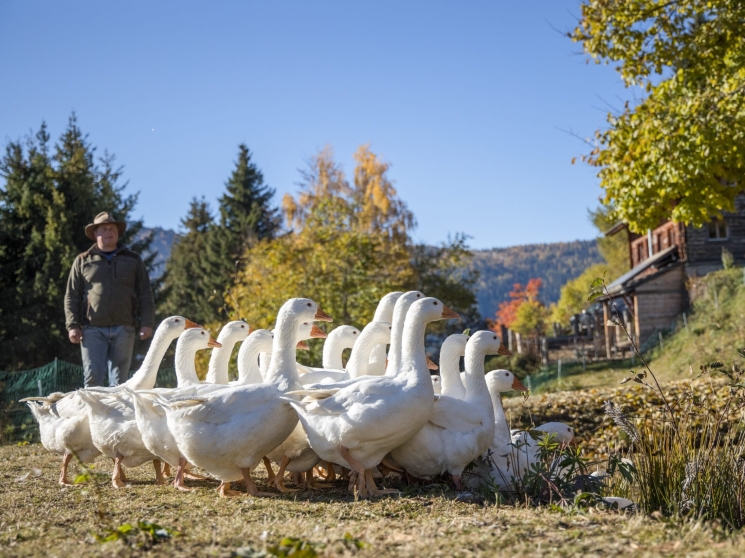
<point x="340" y="338"/>
<point x="150" y="414"/>
<point x="452" y="349"/>
<point x="113" y="423"/>
<point x="403" y="303"/>
<point x="260" y="341"/>
<point x="230" y="334"/>
<point x="373" y="335"/>
<point x="228" y="432"/>
<point x="458" y="431"/>
<point x="357" y="426"/>
<point x="383" y="313"/>
<point x="295" y="454"/>
<point x="63" y="420"/>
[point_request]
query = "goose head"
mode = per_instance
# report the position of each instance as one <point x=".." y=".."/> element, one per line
<point x="502" y="381"/>
<point x="196" y="339"/>
<point x="384" y="311"/>
<point x="486" y="343"/>
<point x="308" y="330"/>
<point x="344" y="336"/>
<point x="564" y="433"/>
<point x="233" y="332"/>
<point x="378" y="332"/>
<point x="429" y="309"/>
<point x="175" y="325"/>
<point x="454" y="346"/>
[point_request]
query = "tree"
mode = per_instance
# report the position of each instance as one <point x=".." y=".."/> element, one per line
<point x="203" y="268"/>
<point x="185" y="291"/>
<point x="348" y="245"/>
<point x="574" y="294"/>
<point x="45" y="203"/>
<point x="507" y="312"/>
<point x="680" y="152"/>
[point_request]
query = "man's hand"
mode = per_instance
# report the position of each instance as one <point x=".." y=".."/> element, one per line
<point x="75" y="334"/>
<point x="145" y="332"/>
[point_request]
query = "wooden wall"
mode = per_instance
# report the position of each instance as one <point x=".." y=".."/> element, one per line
<point x="659" y="301"/>
<point x="705" y="255"/>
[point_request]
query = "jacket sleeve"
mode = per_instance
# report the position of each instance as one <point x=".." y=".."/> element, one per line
<point x="145" y="296"/>
<point x="74" y="296"/>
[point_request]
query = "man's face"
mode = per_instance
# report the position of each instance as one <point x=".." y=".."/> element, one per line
<point x="107" y="235"/>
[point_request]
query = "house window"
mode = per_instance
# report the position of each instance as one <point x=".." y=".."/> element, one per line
<point x="718" y="230"/>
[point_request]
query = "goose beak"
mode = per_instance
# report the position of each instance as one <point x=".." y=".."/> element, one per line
<point x="448" y="314"/>
<point x="504" y="350"/>
<point x="190" y="324"/>
<point x="431" y="365"/>
<point x="574" y="443"/>
<point x="317" y="333"/>
<point x="302" y="345"/>
<point x="517" y="385"/>
<point x="322" y="316"/>
<point x="213" y="343"/>
<point x="251" y="330"/>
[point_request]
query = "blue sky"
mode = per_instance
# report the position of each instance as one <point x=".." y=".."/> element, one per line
<point x="469" y="102"/>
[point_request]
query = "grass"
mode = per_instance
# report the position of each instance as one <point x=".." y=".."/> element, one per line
<point x="41" y="518"/>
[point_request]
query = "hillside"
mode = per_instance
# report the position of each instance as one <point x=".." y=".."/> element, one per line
<point x="555" y="264"/>
<point x="499" y="268"/>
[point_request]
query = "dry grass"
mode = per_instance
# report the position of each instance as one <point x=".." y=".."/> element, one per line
<point x="40" y="518"/>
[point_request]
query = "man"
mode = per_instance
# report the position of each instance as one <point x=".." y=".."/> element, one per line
<point x="107" y="288"/>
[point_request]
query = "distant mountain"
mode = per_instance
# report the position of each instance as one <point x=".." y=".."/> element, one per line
<point x="162" y="241"/>
<point x="499" y="268"/>
<point x="554" y="263"/>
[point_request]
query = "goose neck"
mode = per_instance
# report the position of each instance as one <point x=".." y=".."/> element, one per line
<point x="501" y="428"/>
<point x="452" y="385"/>
<point x="359" y="360"/>
<point x="413" y="358"/>
<point x="186" y="372"/>
<point x="217" y="373"/>
<point x="248" y="363"/>
<point x="282" y="371"/>
<point x="332" y="352"/>
<point x="475" y="380"/>
<point x="396" y="348"/>
<point x="145" y="377"/>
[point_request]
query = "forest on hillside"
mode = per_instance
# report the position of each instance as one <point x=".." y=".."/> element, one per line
<point x="555" y="264"/>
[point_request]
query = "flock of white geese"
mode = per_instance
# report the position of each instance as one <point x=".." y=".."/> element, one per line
<point x="383" y="413"/>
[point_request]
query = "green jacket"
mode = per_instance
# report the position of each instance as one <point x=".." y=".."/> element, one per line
<point x="105" y="293"/>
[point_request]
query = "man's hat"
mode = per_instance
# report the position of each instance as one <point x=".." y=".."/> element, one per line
<point x="103" y="218"/>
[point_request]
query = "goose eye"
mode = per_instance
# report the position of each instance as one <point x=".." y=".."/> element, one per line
<point x="495" y="338"/>
<point x="177" y="320"/>
<point x="354" y="333"/>
<point x="309" y="304"/>
<point x="418" y="295"/>
<point x="434" y="303"/>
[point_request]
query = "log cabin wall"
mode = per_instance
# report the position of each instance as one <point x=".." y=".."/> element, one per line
<point x="704" y="245"/>
<point x="659" y="301"/>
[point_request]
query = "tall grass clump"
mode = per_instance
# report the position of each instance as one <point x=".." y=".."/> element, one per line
<point x="689" y="460"/>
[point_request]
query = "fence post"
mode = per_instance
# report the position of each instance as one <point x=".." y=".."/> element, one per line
<point x="38" y="384"/>
<point x="527" y="379"/>
<point x="659" y="335"/>
<point x="716" y="299"/>
<point x="558" y="373"/>
<point x="56" y="375"/>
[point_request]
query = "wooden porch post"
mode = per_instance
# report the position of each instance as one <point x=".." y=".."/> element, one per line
<point x="607" y="330"/>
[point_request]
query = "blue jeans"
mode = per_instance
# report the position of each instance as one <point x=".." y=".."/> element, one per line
<point x="107" y="350"/>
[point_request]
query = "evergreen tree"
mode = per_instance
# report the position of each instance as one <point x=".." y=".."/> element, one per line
<point x="45" y="203"/>
<point x="185" y="289"/>
<point x="245" y="217"/>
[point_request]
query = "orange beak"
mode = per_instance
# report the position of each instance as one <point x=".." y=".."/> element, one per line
<point x="517" y="385"/>
<point x="504" y="350"/>
<point x="190" y="324"/>
<point x="302" y="345"/>
<point x="448" y="314"/>
<point x="431" y="365"/>
<point x="251" y="330"/>
<point x="213" y="343"/>
<point x="317" y="333"/>
<point x="322" y="316"/>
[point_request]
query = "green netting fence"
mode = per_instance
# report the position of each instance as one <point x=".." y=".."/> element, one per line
<point x="17" y="424"/>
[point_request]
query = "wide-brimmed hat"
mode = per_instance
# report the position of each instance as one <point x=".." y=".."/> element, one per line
<point x="101" y="219"/>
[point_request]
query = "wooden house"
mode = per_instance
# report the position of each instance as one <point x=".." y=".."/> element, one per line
<point x="654" y="290"/>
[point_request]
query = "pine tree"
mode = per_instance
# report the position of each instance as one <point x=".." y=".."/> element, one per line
<point x="185" y="290"/>
<point x="246" y="216"/>
<point x="45" y="203"/>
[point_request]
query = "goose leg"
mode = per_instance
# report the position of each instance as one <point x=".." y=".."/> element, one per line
<point x="269" y="470"/>
<point x="158" y="466"/>
<point x="225" y="490"/>
<point x="373" y="490"/>
<point x="391" y="464"/>
<point x="63" y="472"/>
<point x="357" y="468"/>
<point x="178" y="482"/>
<point x="457" y="481"/>
<point x="118" y="474"/>
<point x="193" y="476"/>
<point x="312" y="483"/>
<point x="279" y="479"/>
<point x="251" y="487"/>
<point x="166" y="469"/>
